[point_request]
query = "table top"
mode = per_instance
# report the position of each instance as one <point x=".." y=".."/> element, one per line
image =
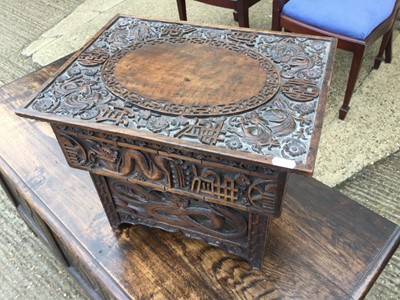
<point x="255" y="96"/>
<point x="324" y="246"/>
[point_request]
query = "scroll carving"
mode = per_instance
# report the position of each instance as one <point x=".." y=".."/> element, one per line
<point x="74" y="152"/>
<point x="262" y="194"/>
<point x="93" y="58"/>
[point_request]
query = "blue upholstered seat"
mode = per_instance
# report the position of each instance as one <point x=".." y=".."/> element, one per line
<point x="354" y="18"/>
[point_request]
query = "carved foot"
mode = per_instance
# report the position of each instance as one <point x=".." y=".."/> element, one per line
<point x="343" y="112"/>
<point x="235" y="16"/>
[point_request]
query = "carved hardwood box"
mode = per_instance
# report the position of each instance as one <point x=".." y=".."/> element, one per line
<point x="191" y="128"/>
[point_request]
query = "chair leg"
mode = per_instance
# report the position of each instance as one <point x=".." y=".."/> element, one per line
<point x="235" y="16"/>
<point x="242" y="10"/>
<point x="182" y="9"/>
<point x="388" y="50"/>
<point x="386" y="46"/>
<point x="276" y="15"/>
<point x="354" y="70"/>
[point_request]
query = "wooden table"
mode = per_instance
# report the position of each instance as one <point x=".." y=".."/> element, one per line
<point x="191" y="128"/>
<point x="324" y="246"/>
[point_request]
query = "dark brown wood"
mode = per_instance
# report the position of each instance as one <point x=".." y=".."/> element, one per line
<point x="384" y="30"/>
<point x="182" y="9"/>
<point x="223" y="86"/>
<point x="324" y="245"/>
<point x="240" y="7"/>
<point x="283" y="118"/>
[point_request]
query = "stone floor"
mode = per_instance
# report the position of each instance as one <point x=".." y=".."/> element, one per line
<point x="359" y="156"/>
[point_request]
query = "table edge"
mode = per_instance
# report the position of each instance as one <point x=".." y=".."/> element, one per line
<point x="61" y="231"/>
<point x="305" y="168"/>
<point x="375" y="268"/>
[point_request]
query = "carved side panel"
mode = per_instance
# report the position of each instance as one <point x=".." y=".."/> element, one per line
<point x="137" y="204"/>
<point x="236" y="231"/>
<point x="187" y="174"/>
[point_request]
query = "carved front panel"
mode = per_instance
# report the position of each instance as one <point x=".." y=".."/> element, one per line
<point x="148" y="206"/>
<point x="187" y="174"/>
<point x="253" y="92"/>
<point x="239" y="232"/>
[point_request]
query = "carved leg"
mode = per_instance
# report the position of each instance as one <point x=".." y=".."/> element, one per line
<point x="388" y="50"/>
<point x="354" y="70"/>
<point x="106" y="199"/>
<point x="235" y="16"/>
<point x="182" y="9"/>
<point x="386" y="46"/>
<point x="242" y="8"/>
<point x="258" y="231"/>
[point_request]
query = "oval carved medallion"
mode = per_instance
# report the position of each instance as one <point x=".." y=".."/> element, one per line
<point x="191" y="79"/>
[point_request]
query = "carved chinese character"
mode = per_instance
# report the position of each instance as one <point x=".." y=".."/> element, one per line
<point x="115" y="114"/>
<point x="206" y="131"/>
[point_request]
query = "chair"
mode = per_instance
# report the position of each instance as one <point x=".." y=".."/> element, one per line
<point x="355" y="23"/>
<point x="240" y="7"/>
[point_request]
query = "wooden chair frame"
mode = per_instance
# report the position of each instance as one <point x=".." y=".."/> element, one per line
<point x="240" y="7"/>
<point x="385" y="29"/>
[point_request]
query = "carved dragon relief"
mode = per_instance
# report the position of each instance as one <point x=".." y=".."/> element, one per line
<point x="179" y="175"/>
<point x="268" y="129"/>
<point x="240" y="233"/>
<point x="146" y="205"/>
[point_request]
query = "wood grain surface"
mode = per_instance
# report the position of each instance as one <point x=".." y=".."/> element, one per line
<point x="191" y="74"/>
<point x="324" y="246"/>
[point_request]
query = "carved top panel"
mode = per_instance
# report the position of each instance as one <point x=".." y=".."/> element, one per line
<point x="182" y="77"/>
<point x="255" y="92"/>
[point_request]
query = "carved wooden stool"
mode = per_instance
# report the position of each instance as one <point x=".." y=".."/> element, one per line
<point x="191" y="128"/>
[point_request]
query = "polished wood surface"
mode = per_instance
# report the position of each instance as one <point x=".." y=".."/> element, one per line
<point x="324" y="246"/>
<point x="190" y="74"/>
